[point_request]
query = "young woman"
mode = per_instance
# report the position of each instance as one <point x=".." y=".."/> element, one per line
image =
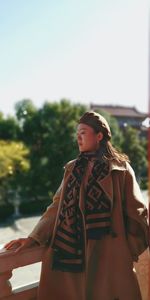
<point x="97" y="225"/>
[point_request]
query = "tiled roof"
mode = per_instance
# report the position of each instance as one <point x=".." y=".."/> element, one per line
<point x="120" y="111"/>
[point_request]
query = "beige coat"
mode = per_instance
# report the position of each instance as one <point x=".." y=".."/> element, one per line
<point x="109" y="271"/>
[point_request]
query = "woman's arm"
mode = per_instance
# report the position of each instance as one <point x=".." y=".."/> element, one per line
<point x="136" y="215"/>
<point x="44" y="228"/>
<point x="41" y="232"/>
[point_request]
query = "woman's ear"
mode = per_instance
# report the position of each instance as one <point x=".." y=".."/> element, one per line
<point x="99" y="136"/>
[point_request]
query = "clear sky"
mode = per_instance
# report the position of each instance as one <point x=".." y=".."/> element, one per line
<point x="89" y="51"/>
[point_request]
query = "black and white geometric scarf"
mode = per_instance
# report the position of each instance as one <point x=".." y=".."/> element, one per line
<point x="68" y="245"/>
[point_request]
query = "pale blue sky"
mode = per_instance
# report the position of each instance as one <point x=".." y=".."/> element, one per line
<point x="89" y="51"/>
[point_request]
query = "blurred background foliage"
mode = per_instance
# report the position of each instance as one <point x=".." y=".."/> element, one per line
<point x="35" y="144"/>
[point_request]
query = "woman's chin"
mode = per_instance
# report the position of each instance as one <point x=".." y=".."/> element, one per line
<point x="81" y="149"/>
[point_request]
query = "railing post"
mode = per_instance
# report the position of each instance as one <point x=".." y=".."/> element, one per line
<point x="9" y="260"/>
<point x="5" y="285"/>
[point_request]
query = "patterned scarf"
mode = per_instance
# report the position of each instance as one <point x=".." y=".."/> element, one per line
<point x="68" y="245"/>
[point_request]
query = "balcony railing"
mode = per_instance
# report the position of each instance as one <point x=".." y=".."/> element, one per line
<point x="9" y="260"/>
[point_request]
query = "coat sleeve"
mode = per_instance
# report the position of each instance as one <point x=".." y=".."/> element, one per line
<point x="135" y="214"/>
<point x="43" y="230"/>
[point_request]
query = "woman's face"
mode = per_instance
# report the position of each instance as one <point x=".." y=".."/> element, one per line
<point x="87" y="139"/>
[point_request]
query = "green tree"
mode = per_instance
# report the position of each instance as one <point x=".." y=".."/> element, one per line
<point x="24" y="109"/>
<point x="135" y="148"/>
<point x="14" y="164"/>
<point x="9" y="128"/>
<point x="50" y="135"/>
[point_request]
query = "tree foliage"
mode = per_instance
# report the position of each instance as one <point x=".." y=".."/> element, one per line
<point x="9" y="128"/>
<point x="14" y="164"/>
<point x="24" y="109"/>
<point x="50" y="136"/>
<point x="12" y="158"/>
<point x="136" y="150"/>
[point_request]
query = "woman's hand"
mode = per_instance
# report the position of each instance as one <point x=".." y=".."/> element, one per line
<point x="20" y="244"/>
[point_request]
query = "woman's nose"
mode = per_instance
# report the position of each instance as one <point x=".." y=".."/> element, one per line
<point x="79" y="137"/>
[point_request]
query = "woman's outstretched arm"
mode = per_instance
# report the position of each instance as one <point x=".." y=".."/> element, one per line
<point x="41" y="232"/>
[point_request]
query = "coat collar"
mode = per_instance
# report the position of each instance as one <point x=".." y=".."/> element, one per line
<point x="113" y="165"/>
<point x="105" y="183"/>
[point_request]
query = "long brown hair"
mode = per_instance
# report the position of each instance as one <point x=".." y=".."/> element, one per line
<point x="110" y="152"/>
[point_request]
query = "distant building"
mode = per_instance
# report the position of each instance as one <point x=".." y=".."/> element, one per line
<point x="125" y="115"/>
